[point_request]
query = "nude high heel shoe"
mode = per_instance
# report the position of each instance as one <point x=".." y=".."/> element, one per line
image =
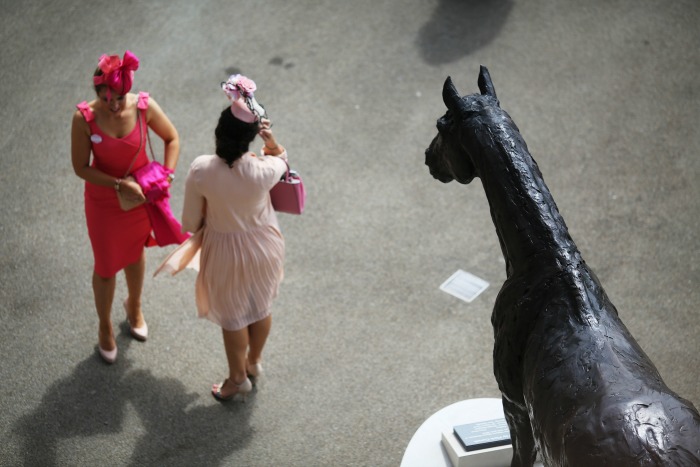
<point x="140" y="334"/>
<point x="244" y="389"/>
<point x="109" y="356"/>
<point x="255" y="370"/>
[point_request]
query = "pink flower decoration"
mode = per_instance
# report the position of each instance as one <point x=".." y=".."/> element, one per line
<point x="117" y="74"/>
<point x="237" y="86"/>
<point x="246" y="86"/>
<point x="109" y="63"/>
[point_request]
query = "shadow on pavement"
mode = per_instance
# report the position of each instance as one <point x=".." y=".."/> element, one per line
<point x="459" y="27"/>
<point x="93" y="401"/>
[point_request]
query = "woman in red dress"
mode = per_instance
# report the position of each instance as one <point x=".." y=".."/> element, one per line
<point x="112" y="129"/>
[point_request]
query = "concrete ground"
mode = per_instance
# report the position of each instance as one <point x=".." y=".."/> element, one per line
<point x="364" y="346"/>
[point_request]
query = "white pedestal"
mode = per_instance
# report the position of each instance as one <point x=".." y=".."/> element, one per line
<point x="490" y="457"/>
<point x="426" y="449"/>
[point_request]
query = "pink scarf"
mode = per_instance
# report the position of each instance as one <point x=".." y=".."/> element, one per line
<point x="166" y="228"/>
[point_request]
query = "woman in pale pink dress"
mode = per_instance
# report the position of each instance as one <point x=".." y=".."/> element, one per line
<point x="227" y="204"/>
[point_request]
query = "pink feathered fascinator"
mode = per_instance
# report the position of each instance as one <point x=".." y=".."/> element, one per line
<point x="240" y="91"/>
<point x="117" y="74"/>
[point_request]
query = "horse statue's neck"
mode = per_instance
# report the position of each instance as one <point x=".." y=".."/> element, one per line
<point x="530" y="229"/>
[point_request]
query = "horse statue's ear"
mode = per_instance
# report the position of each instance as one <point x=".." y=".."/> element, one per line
<point x="485" y="83"/>
<point x="450" y="96"/>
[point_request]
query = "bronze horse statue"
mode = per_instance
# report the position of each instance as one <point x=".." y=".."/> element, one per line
<point x="575" y="384"/>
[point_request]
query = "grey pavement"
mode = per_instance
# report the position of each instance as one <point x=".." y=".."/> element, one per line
<point x="364" y="346"/>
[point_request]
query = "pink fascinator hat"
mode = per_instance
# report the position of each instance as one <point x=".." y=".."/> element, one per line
<point x="240" y="91"/>
<point x="117" y="74"/>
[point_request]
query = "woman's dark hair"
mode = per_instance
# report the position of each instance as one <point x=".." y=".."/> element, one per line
<point x="98" y="87"/>
<point x="233" y="136"/>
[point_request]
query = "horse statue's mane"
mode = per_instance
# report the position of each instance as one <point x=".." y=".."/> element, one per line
<point x="576" y="386"/>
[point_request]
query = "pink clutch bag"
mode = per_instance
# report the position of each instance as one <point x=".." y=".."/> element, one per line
<point x="289" y="195"/>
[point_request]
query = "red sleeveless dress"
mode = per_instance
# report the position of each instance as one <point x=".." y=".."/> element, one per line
<point x="117" y="237"/>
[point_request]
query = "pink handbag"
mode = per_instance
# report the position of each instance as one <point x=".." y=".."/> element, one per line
<point x="289" y="195"/>
<point x="152" y="177"/>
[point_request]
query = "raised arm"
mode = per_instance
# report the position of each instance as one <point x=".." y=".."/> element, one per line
<point x="271" y="148"/>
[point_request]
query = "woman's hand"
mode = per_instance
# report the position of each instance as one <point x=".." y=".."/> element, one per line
<point x="131" y="190"/>
<point x="271" y="146"/>
<point x="266" y="133"/>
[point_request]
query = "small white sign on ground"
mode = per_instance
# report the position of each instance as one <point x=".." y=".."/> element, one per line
<point x="464" y="285"/>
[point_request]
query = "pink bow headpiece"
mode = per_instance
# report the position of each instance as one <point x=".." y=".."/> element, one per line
<point x="240" y="91"/>
<point x="117" y="74"/>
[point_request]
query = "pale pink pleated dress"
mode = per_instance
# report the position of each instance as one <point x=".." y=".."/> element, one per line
<point x="242" y="249"/>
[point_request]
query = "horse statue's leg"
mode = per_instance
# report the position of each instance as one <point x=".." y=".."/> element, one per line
<point x="524" y="451"/>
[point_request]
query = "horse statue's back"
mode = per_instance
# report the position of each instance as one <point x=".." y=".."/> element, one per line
<point x="575" y="384"/>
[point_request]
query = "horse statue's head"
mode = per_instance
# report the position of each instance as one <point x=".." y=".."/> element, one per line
<point x="467" y="128"/>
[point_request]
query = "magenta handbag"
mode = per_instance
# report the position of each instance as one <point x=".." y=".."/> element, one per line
<point x="289" y="195"/>
<point x="153" y="178"/>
